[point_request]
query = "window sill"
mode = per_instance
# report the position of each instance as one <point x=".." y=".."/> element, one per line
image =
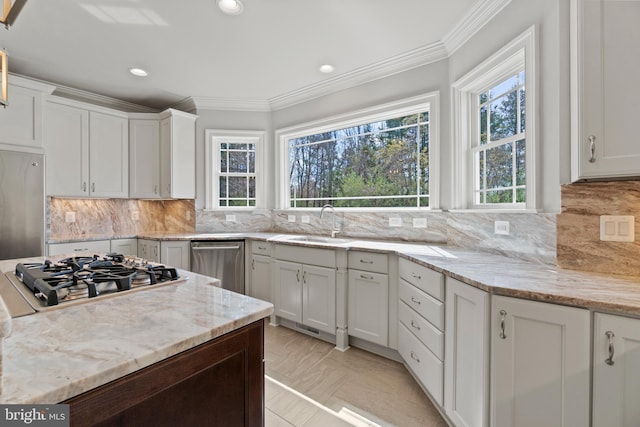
<point x="493" y="211"/>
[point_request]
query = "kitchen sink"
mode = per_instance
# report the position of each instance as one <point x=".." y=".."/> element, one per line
<point x="319" y="239"/>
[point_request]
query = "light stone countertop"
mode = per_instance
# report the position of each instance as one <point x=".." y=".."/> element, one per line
<point x="53" y="355"/>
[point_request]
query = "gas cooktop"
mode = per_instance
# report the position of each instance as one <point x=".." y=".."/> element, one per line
<point x="79" y="279"/>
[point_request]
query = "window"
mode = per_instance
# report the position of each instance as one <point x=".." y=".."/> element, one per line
<point x="381" y="160"/>
<point x="494" y="128"/>
<point x="233" y="178"/>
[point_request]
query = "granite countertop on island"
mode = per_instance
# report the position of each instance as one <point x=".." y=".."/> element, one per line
<point x="53" y="355"/>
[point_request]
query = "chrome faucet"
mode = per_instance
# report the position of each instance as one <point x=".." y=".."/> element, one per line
<point x="334" y="230"/>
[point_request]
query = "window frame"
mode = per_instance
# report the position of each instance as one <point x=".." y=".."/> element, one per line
<point x="213" y="139"/>
<point x="519" y="54"/>
<point x="427" y="102"/>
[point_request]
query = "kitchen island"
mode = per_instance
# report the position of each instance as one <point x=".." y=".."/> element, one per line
<point x="186" y="343"/>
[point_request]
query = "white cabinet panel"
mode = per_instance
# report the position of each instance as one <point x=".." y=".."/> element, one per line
<point x="149" y="250"/>
<point x="21" y="120"/>
<point x="540" y="364"/>
<point x="108" y="155"/>
<point x="260" y="286"/>
<point x="466" y="378"/>
<point x="319" y="298"/>
<point x="368" y="310"/>
<point x="84" y="247"/>
<point x="144" y="158"/>
<point x="175" y="253"/>
<point x="127" y="247"/>
<point x="288" y="287"/>
<point x="616" y="371"/>
<point x="605" y="48"/>
<point x="177" y="156"/>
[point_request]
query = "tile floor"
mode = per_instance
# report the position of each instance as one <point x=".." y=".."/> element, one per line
<point x="309" y="383"/>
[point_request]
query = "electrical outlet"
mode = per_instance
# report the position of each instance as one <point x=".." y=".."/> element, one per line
<point x="395" y="221"/>
<point x="188" y="214"/>
<point x="230" y="218"/>
<point x="419" y="222"/>
<point x="305" y="219"/>
<point x="291" y="218"/>
<point x="70" y="217"/>
<point x="501" y="227"/>
<point x="617" y="228"/>
<point x="135" y="215"/>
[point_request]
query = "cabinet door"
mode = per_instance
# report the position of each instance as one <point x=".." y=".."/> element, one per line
<point x="540" y="364"/>
<point x="149" y="250"/>
<point x="108" y="155"/>
<point x="288" y="290"/>
<point x="66" y="144"/>
<point x="261" y="277"/>
<point x="616" y="371"/>
<point x="605" y="100"/>
<point x="175" y="254"/>
<point x="127" y="247"/>
<point x="20" y="122"/>
<point x="319" y="298"/>
<point x="466" y="375"/>
<point x="368" y="310"/>
<point x="144" y="158"/>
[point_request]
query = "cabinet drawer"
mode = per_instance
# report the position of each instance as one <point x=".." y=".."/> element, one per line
<point x="369" y="261"/>
<point x="430" y="336"/>
<point x="424" y="278"/>
<point x="76" y="247"/>
<point x="424" y="364"/>
<point x="311" y="256"/>
<point x="260" y="248"/>
<point x="425" y="305"/>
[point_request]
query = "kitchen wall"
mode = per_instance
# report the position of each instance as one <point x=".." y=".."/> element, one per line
<point x="578" y="227"/>
<point x="106" y="218"/>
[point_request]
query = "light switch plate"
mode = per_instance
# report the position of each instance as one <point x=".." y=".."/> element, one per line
<point x="305" y="219"/>
<point x="617" y="228"/>
<point x="291" y="218"/>
<point x="501" y="227"/>
<point x="135" y="215"/>
<point x="395" y="221"/>
<point x="419" y="222"/>
<point x="70" y="217"/>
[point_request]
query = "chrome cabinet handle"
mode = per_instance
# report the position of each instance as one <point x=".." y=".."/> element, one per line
<point x="366" y="261"/>
<point x="417" y="301"/>
<point x="502" y="335"/>
<point x="298" y="275"/>
<point x="592" y="148"/>
<point x="253" y="264"/>
<point x="262" y="248"/>
<point x="366" y="276"/>
<point x="84" y="186"/>
<point x="93" y="187"/>
<point x="415" y="357"/>
<point x="609" y="360"/>
<point x="414" y="325"/>
<point x="416" y="276"/>
<point x="304" y="277"/>
<point x="155" y="189"/>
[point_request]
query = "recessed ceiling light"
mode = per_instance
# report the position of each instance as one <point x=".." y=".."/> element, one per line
<point x="138" y="72"/>
<point x="231" y="7"/>
<point x="326" y="68"/>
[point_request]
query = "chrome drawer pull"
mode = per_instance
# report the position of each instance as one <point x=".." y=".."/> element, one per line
<point x="609" y="360"/>
<point x="415" y="357"/>
<point x="502" y="332"/>
<point x="416" y="276"/>
<point x="366" y="261"/>
<point x="592" y="143"/>
<point x="262" y="248"/>
<point x="415" y="325"/>
<point x="253" y="264"/>
<point x="417" y="301"/>
<point x="366" y="276"/>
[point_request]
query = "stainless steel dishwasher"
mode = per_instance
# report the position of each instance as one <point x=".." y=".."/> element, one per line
<point x="223" y="260"/>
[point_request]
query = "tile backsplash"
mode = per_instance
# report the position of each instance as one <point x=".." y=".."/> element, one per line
<point x="117" y="217"/>
<point x="578" y="227"/>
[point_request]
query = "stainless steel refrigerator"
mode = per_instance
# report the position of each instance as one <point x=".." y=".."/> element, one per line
<point x="21" y="204"/>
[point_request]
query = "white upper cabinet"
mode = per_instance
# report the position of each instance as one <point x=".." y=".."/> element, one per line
<point x="21" y="119"/>
<point x="162" y="155"/>
<point x="605" y="89"/>
<point x="144" y="159"/>
<point x="87" y="152"/>
<point x="178" y="155"/>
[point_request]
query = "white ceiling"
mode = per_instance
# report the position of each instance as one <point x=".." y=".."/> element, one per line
<point x="265" y="58"/>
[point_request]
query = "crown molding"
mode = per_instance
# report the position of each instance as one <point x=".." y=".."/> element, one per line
<point x="105" y="101"/>
<point x="206" y="103"/>
<point x="415" y="58"/>
<point x="478" y="15"/>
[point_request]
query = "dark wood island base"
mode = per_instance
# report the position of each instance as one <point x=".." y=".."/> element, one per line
<point x="218" y="383"/>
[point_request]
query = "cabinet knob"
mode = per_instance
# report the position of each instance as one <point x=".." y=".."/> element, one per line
<point x="609" y="360"/>
<point x="592" y="148"/>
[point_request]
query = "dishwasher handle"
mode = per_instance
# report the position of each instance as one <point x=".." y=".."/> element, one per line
<point x="209" y="248"/>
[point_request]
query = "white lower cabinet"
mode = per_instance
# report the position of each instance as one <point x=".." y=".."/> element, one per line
<point x="306" y="294"/>
<point x="149" y="250"/>
<point x="259" y="272"/>
<point x="466" y="375"/>
<point x="127" y="247"/>
<point x="175" y="253"/>
<point x="97" y="246"/>
<point x="540" y="364"/>
<point x="616" y="371"/>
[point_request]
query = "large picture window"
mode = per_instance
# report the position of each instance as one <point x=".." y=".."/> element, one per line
<point x="381" y="161"/>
